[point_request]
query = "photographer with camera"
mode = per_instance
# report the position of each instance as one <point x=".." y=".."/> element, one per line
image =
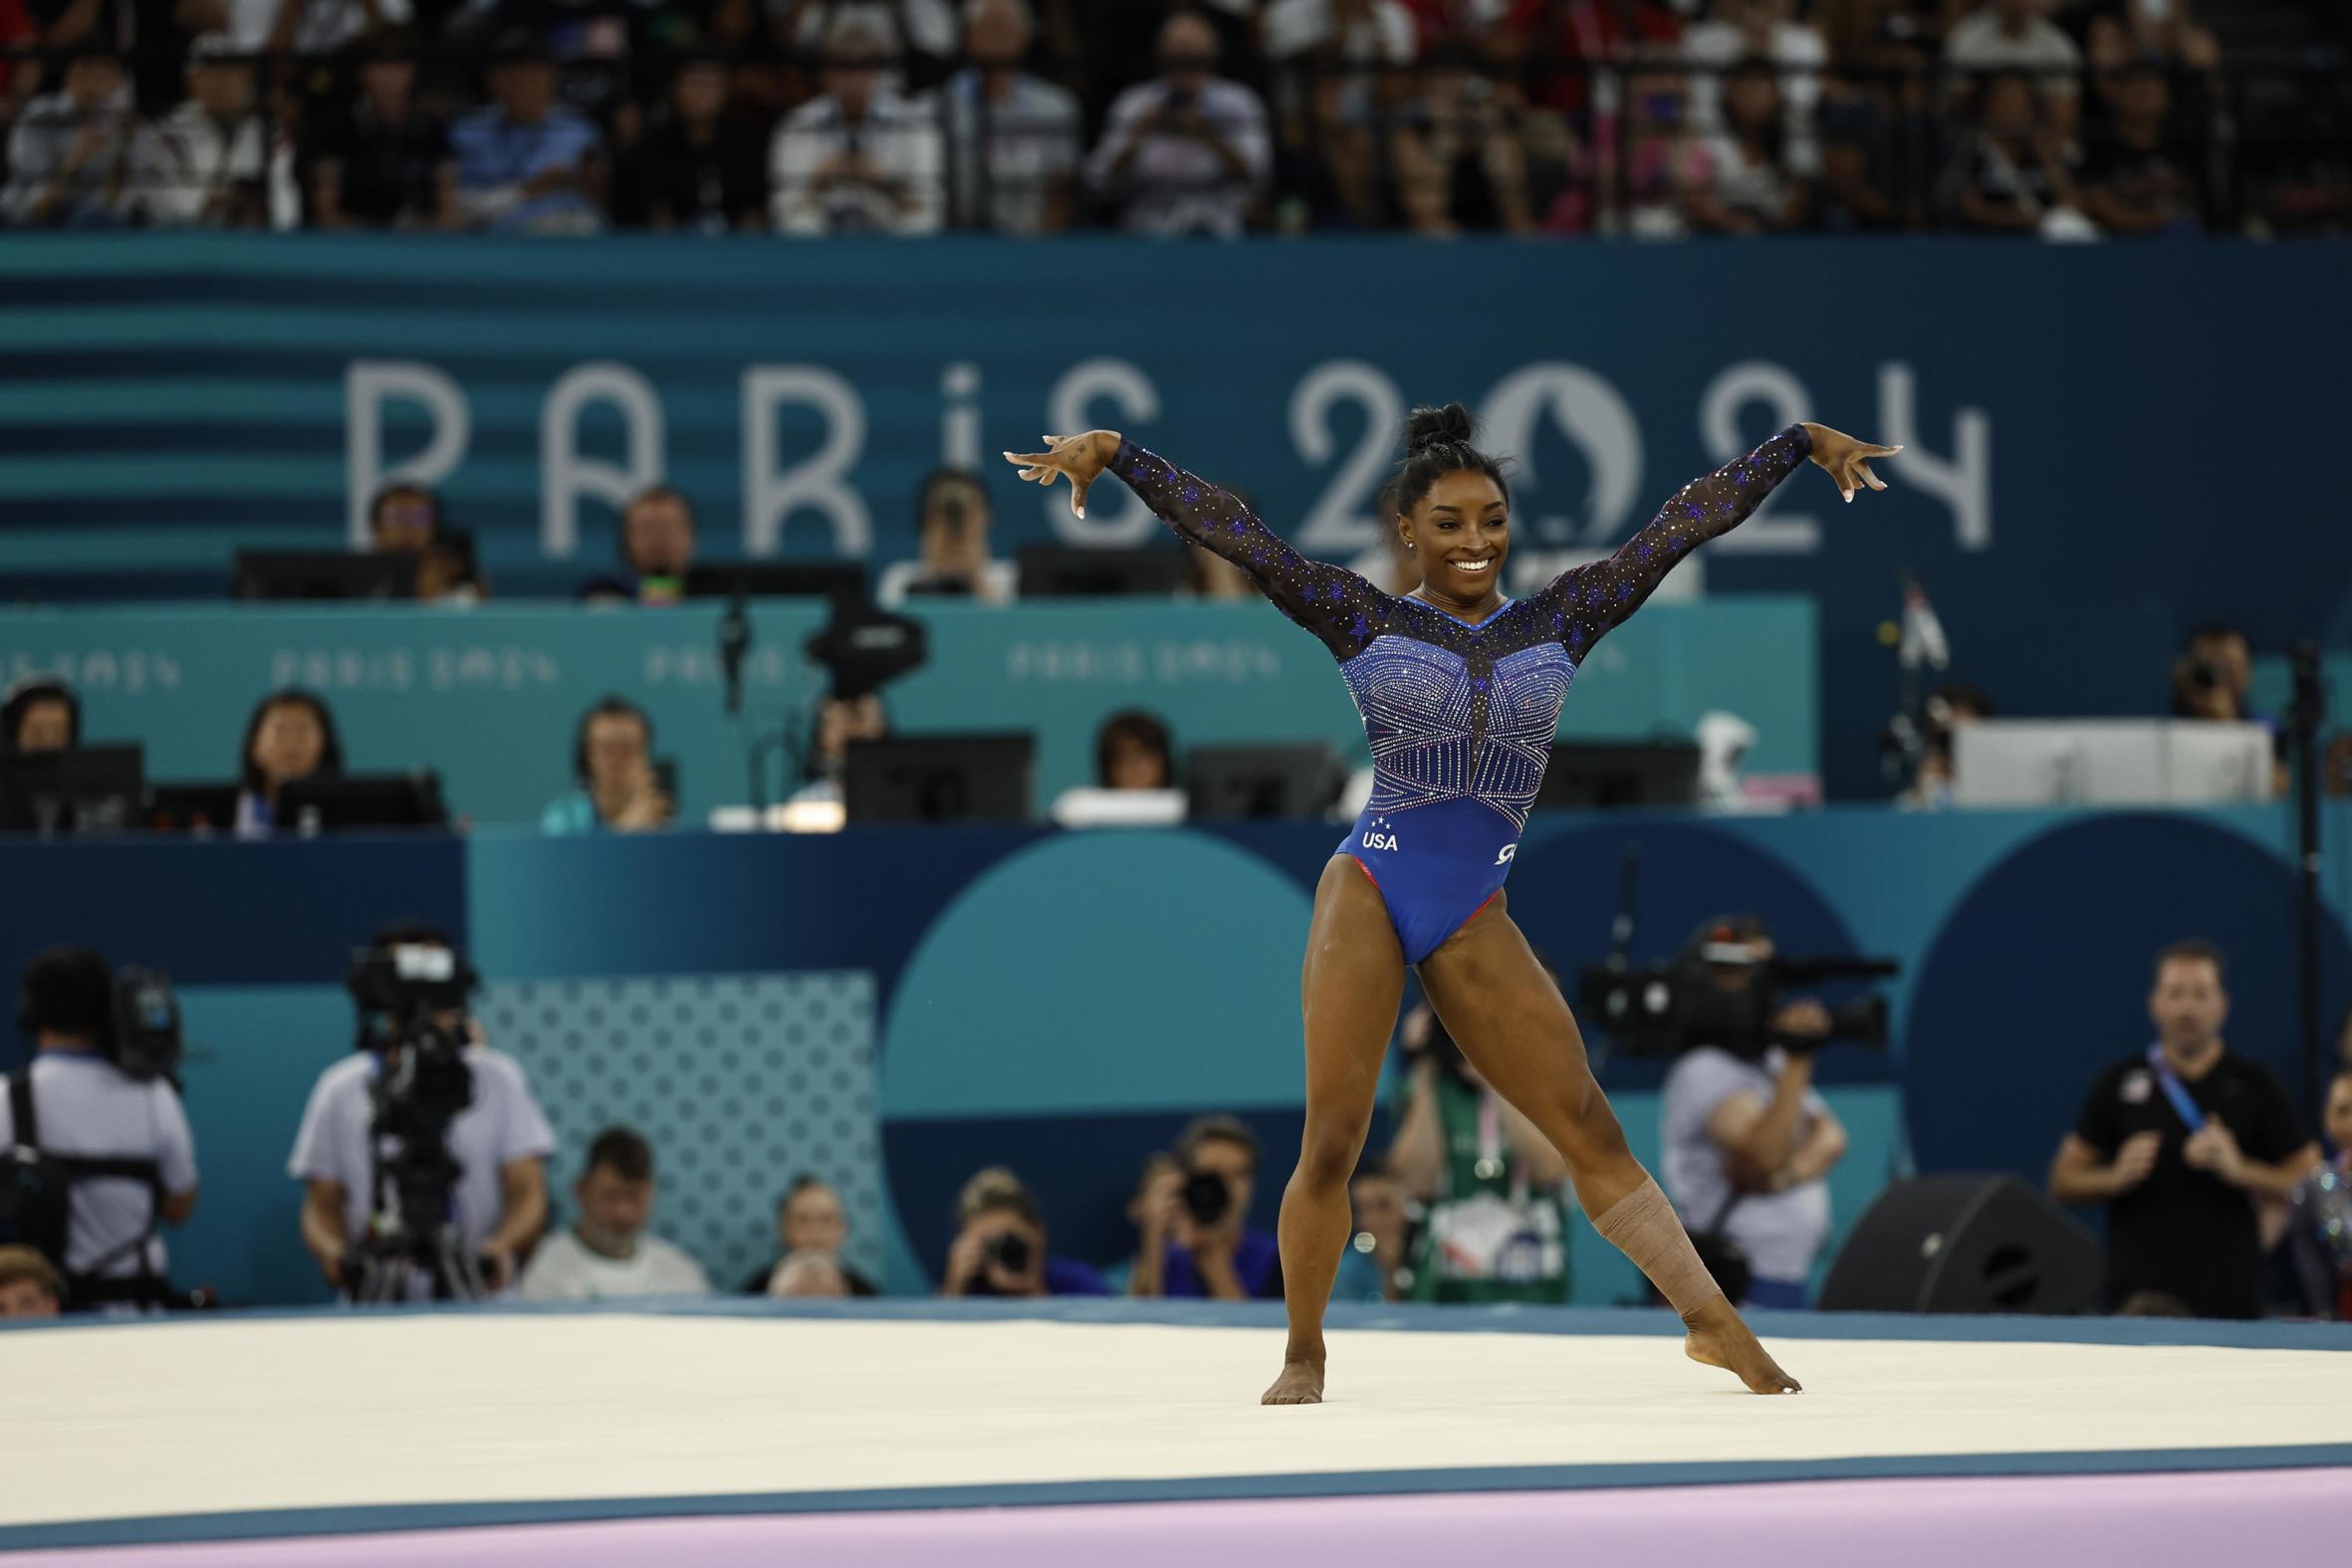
<point x="423" y="1154"/>
<point x="952" y="514"/>
<point x="1000" y="1245"/>
<point x="94" y="1146"/>
<point x="1488" y="1184"/>
<point x="1749" y="1144"/>
<point x="1197" y="1239"/>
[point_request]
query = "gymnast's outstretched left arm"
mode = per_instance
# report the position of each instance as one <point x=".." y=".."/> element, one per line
<point x="1590" y="600"/>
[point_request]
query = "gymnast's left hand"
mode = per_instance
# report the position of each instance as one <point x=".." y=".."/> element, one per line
<point x="1847" y="460"/>
<point x="1081" y="457"/>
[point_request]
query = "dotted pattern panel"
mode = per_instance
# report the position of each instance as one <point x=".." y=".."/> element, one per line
<point x="739" y="1081"/>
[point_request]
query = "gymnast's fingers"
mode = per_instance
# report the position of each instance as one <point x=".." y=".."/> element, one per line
<point x="1077" y="495"/>
<point x="1880" y="451"/>
<point x="1868" y="478"/>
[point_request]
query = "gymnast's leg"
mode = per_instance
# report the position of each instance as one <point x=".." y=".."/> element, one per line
<point x="1353" y="978"/>
<point x="1512" y="1024"/>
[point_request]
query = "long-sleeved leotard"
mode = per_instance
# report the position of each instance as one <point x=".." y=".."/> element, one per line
<point x="1460" y="717"/>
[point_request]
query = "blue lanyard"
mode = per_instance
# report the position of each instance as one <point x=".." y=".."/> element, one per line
<point x="2176" y="1092"/>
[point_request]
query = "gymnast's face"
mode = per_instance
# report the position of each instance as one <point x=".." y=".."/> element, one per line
<point x="1460" y="537"/>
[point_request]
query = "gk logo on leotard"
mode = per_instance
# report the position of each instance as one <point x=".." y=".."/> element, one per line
<point x="1503" y="855"/>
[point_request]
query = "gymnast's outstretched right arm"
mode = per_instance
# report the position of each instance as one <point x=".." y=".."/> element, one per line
<point x="1338" y="606"/>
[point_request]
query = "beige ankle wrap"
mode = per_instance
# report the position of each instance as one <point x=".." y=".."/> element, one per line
<point x="1644" y="1226"/>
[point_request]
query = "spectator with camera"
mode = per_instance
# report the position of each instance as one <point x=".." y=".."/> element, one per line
<point x="407" y="520"/>
<point x="102" y="1142"/>
<point x="2186" y="1143"/>
<point x="1189" y="152"/>
<point x="1197" y="1238"/>
<point x="1490" y="1185"/>
<point x="39" y="714"/>
<point x="30" y="1285"/>
<point x="953" y="517"/>
<point x="607" y="1253"/>
<point x="69" y="154"/>
<point x="379" y="1198"/>
<point x="1749" y="1142"/>
<point x="810" y="1222"/>
<point x="620" y="789"/>
<point x="1000" y="1245"/>
<point x="858" y="158"/>
<point x="290" y="738"/>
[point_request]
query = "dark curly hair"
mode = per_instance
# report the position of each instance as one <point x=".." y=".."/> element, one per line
<point x="1438" y="443"/>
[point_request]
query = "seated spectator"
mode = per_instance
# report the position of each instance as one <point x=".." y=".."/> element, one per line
<point x="1016" y="138"/>
<point x="695" y="170"/>
<point x="1665" y="173"/>
<point x="2185" y="1143"/>
<point x="607" y="1255"/>
<point x="1873" y="112"/>
<point x="840" y="721"/>
<point x="810" y="1222"/>
<point x="1133" y="751"/>
<point x="858" y="158"/>
<point x="201" y="165"/>
<point x="527" y="164"/>
<point x="657" y="544"/>
<point x="917" y="36"/>
<point x="1460" y="166"/>
<point x="1373" y="1269"/>
<point x="70" y="157"/>
<point x="301" y="27"/>
<point x="30" y="1285"/>
<point x="1197" y="1239"/>
<point x="407" y="519"/>
<point x="1187" y="154"/>
<point x="2018" y="35"/>
<point x="291" y="737"/>
<point x="2160" y="33"/>
<point x="955" y="562"/>
<point x="1330" y="96"/>
<point x="1756" y="187"/>
<point x="809" y="1274"/>
<point x="1557" y="35"/>
<point x="1737" y="29"/>
<point x="591" y="45"/>
<point x="1159" y="1174"/>
<point x="385" y="162"/>
<point x="40" y="713"/>
<point x="1000" y="1245"/>
<point x="2320" y="1217"/>
<point x="2213" y="675"/>
<point x="2136" y="179"/>
<point x="619" y="789"/>
<point x="2010" y="173"/>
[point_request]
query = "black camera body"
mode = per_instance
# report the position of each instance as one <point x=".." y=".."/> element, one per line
<point x="404" y="992"/>
<point x="1207" y="1197"/>
<point x="1664" y="1009"/>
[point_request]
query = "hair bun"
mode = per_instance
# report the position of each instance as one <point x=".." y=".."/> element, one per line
<point x="1447" y="426"/>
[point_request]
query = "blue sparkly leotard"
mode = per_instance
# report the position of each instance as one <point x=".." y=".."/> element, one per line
<point x="1461" y="718"/>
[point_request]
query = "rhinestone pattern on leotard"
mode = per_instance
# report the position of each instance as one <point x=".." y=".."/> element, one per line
<point x="1454" y="710"/>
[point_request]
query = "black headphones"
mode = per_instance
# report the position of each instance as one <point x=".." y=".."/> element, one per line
<point x="32" y="1014"/>
<point x="611" y="705"/>
<point x="20" y="698"/>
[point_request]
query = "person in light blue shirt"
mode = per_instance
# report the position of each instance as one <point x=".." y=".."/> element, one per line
<point x="619" y="790"/>
<point x="527" y="164"/>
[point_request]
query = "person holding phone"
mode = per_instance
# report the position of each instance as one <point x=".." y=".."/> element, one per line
<point x="622" y="787"/>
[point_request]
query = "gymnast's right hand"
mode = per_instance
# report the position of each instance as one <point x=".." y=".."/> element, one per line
<point x="1081" y="457"/>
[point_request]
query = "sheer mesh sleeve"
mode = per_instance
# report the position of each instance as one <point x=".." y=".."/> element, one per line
<point x="1587" y="601"/>
<point x="1338" y="606"/>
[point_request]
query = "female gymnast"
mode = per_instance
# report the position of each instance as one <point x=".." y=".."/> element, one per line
<point x="1460" y="690"/>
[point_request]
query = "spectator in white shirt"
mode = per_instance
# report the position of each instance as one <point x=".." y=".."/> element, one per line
<point x="500" y="1142"/>
<point x="1188" y="153"/>
<point x="1014" y="137"/>
<point x="1735" y="30"/>
<point x="608" y="1254"/>
<point x="305" y="27"/>
<point x="84" y="1107"/>
<point x="858" y="160"/>
<point x="201" y="165"/>
<point x="917" y="35"/>
<point x="70" y="152"/>
<point x="955" y="562"/>
<point x="2016" y="35"/>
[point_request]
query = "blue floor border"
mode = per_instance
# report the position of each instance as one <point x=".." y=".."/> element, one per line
<point x="288" y="1523"/>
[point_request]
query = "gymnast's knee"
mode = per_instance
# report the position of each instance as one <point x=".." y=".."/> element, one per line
<point x="1327" y="1156"/>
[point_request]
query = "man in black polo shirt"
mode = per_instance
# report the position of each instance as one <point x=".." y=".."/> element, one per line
<point x="2185" y="1142"/>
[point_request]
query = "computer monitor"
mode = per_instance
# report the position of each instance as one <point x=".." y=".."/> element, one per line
<point x="1067" y="571"/>
<point x="1300" y="780"/>
<point x="770" y="580"/>
<point x="2109" y="761"/>
<point x="1588" y="776"/>
<point x="323" y="574"/>
<point x="193" y="808"/>
<point x="940" y="779"/>
<point x="85" y="789"/>
<point x="324" y="804"/>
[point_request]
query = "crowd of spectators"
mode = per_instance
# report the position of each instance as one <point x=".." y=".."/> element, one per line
<point x="1649" y="117"/>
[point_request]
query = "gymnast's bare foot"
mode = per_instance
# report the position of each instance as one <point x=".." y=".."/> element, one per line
<point x="1716" y="1337"/>
<point x="1301" y="1383"/>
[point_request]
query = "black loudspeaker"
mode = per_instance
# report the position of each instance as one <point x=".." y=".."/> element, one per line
<point x="1964" y="1243"/>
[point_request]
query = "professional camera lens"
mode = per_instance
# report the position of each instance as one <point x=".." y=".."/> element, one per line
<point x="1207" y="1197"/>
<point x="1009" y="1250"/>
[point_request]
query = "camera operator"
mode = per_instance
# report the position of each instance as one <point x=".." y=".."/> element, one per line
<point x="122" y="1138"/>
<point x="1748" y="1142"/>
<point x="1000" y="1246"/>
<point x="1197" y="1239"/>
<point x="1494" y="1227"/>
<point x="498" y="1143"/>
<point x="953" y="514"/>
